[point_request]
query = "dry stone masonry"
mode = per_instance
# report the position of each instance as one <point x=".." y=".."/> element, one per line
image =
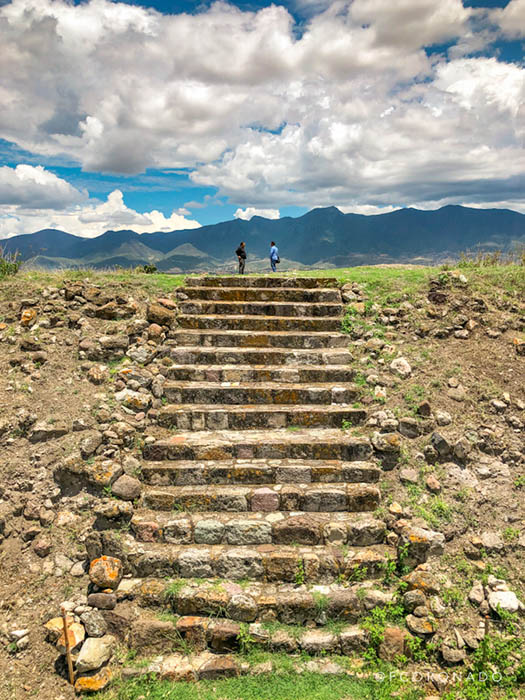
<point x="235" y="480"/>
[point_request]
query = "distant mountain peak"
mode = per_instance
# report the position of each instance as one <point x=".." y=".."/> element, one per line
<point x="324" y="237"/>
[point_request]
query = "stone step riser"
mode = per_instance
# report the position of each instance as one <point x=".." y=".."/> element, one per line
<point x="294" y="395"/>
<point x="317" y="450"/>
<point x="288" y="603"/>
<point x="232" y="473"/>
<point x="247" y="418"/>
<point x="263" y="282"/>
<point x="256" y="529"/>
<point x="264" y="339"/>
<point x="233" y="308"/>
<point x="243" y="356"/>
<point x="252" y="564"/>
<point x="355" y="498"/>
<point x="304" y="296"/>
<point x="259" y="323"/>
<point x="222" y="636"/>
<point x="286" y="375"/>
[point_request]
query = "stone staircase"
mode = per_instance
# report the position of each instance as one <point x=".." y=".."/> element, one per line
<point x="256" y="505"/>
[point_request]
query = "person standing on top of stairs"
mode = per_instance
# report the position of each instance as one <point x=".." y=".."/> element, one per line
<point x="274" y="256"/>
<point x="241" y="255"/>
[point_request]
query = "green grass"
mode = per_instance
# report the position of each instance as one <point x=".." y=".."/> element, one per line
<point x="392" y="284"/>
<point x="275" y="686"/>
<point x="128" y="279"/>
<point x="385" y="285"/>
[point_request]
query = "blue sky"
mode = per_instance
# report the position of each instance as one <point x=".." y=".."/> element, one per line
<point x="157" y="115"/>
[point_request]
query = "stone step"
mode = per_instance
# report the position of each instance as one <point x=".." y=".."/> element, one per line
<point x="257" y="528"/>
<point x="262" y="308"/>
<point x="271" y="563"/>
<point x="259" y="393"/>
<point x="272" y="294"/>
<point x="259" y="356"/>
<point x="213" y="417"/>
<point x="258" y="471"/>
<point x="262" y="282"/>
<point x="287" y="603"/>
<point x="224" y="635"/>
<point x="259" y="373"/>
<point x="265" y="339"/>
<point x="259" y="323"/>
<point x="311" y="498"/>
<point x="260" y="444"/>
<point x="208" y="665"/>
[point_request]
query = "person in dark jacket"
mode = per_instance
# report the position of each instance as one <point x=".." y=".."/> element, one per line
<point x="241" y="256"/>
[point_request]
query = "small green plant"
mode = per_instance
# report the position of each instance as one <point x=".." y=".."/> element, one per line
<point x="346" y="424"/>
<point x="375" y="623"/>
<point x="462" y="494"/>
<point x="402" y="558"/>
<point x="510" y="534"/>
<point x="497" y="668"/>
<point x="453" y="596"/>
<point x="245" y="639"/>
<point x="417" y="649"/>
<point x="357" y="573"/>
<point x="359" y="379"/>
<point x="435" y="512"/>
<point x="174" y="588"/>
<point x="414" y="396"/>
<point x="519" y="482"/>
<point x="9" y="263"/>
<point x="321" y="602"/>
<point x="496" y="570"/>
<point x="115" y="366"/>
<point x="300" y="576"/>
<point x="389" y="567"/>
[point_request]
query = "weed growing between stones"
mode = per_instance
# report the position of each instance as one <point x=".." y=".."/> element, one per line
<point x="375" y="624"/>
<point x="300" y="575"/>
<point x="321" y="602"/>
<point x="357" y="573"/>
<point x="453" y="596"/>
<point x="174" y="588"/>
<point x="245" y="639"/>
<point x="497" y="665"/>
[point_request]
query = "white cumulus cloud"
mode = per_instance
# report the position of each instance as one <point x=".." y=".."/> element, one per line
<point x="34" y="198"/>
<point x="33" y="187"/>
<point x="250" y="212"/>
<point x="346" y="109"/>
<point x="511" y="18"/>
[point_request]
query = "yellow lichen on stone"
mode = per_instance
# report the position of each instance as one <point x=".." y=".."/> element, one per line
<point x="94" y="683"/>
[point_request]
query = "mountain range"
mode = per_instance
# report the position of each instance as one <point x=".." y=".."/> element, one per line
<point x="323" y="237"/>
